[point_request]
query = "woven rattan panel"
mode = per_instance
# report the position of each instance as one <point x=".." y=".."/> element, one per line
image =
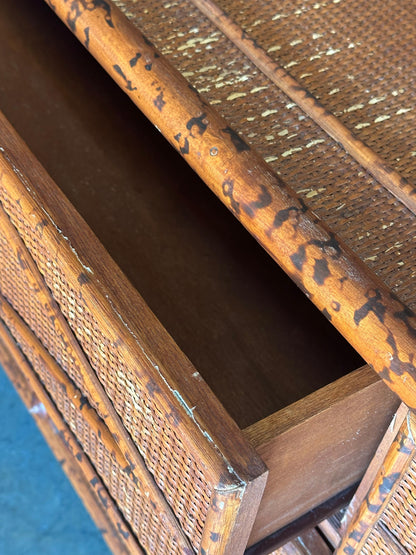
<point x="176" y="471"/>
<point x="376" y="544"/>
<point x="399" y="516"/>
<point x="358" y="58"/>
<point x="60" y="439"/>
<point x="332" y="183"/>
<point x="21" y="292"/>
<point x="155" y="534"/>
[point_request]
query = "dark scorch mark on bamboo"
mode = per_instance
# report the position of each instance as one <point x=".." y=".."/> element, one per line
<point x="200" y="122"/>
<point x="372" y="305"/>
<point x="237" y="141"/>
<point x="228" y="190"/>
<point x="83" y="278"/>
<point x="129" y="85"/>
<point x="299" y="258"/>
<point x="87" y="37"/>
<point x="79" y="6"/>
<point x="263" y="201"/>
<point x="159" y="102"/>
<point x="320" y="271"/>
<point x="135" y="59"/>
<point x="123" y="532"/>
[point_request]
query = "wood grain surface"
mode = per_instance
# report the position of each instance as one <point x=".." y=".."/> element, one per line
<point x="319" y="446"/>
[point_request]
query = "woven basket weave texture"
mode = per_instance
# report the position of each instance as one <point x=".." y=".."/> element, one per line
<point x="175" y="470"/>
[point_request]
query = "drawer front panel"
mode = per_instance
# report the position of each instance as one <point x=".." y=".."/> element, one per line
<point x="152" y="527"/>
<point x="198" y="488"/>
<point x="174" y="469"/>
<point x="66" y="449"/>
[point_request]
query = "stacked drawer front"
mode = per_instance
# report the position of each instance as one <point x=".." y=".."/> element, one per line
<point x="70" y="334"/>
<point x="57" y="358"/>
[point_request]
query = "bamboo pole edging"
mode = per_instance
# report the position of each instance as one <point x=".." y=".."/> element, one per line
<point x="387" y="176"/>
<point x="361" y="307"/>
<point x="390" y="473"/>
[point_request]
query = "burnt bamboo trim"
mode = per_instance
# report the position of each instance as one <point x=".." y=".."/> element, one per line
<point x="27" y="340"/>
<point x="102" y="498"/>
<point x="187" y="406"/>
<point x="387" y="176"/>
<point x="373" y="469"/>
<point x="94" y="391"/>
<point x="392" y="470"/>
<point x="364" y="310"/>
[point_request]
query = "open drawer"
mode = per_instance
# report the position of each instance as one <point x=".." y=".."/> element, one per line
<point x="201" y="359"/>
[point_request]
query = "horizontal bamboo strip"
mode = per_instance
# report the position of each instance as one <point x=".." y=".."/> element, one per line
<point x="373" y="320"/>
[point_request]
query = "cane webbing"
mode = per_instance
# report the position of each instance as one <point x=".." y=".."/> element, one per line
<point x="358" y="59"/>
<point x="378" y="543"/>
<point x="22" y="292"/>
<point x="175" y="469"/>
<point x="154" y="532"/>
<point x="59" y="438"/>
<point x="399" y="516"/>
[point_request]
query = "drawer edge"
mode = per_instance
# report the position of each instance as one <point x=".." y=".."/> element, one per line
<point x="326" y="451"/>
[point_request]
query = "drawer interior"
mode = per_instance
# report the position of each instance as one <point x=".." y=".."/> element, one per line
<point x="255" y="338"/>
<point x="293" y="384"/>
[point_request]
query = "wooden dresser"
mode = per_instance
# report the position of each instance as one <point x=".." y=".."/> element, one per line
<point x="152" y="305"/>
